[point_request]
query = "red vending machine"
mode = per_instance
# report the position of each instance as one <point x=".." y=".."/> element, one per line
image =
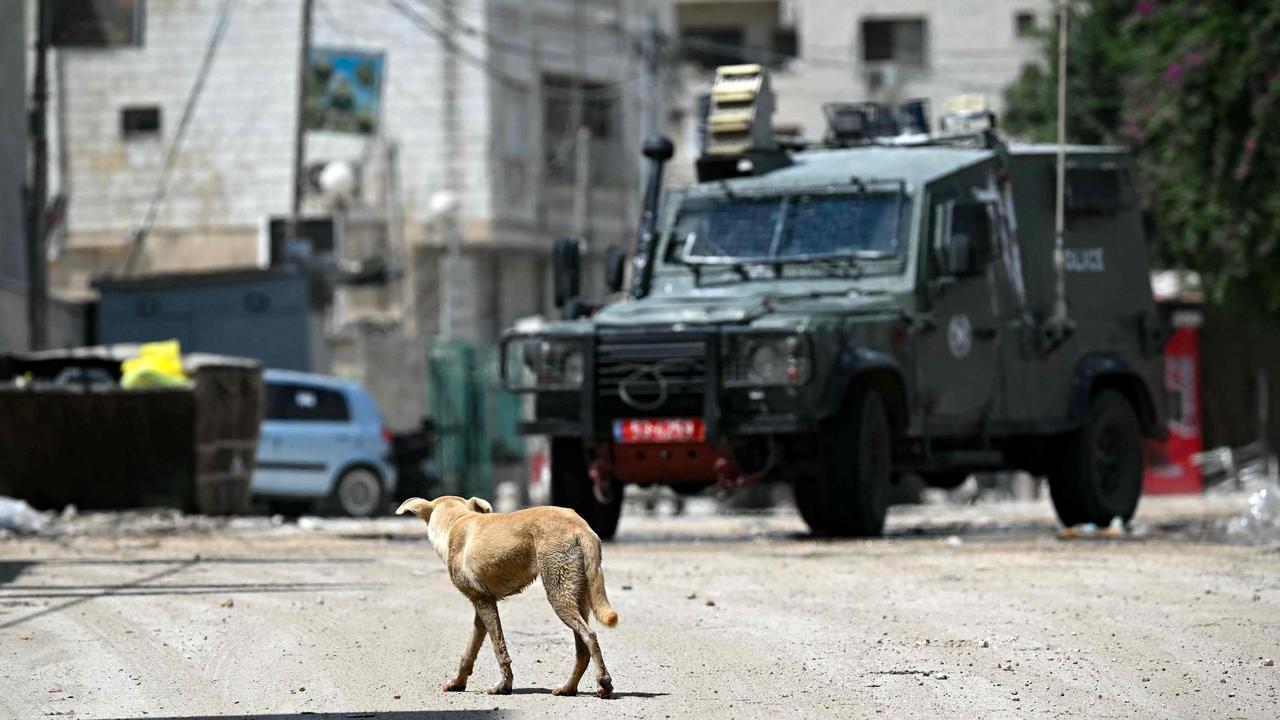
<point x="1170" y="466"/>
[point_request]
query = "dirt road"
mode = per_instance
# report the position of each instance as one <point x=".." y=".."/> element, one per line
<point x="976" y="612"/>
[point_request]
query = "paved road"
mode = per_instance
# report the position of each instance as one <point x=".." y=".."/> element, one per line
<point x="973" y="612"/>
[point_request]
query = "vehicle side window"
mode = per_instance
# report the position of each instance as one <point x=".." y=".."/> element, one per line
<point x="306" y="403"/>
<point x="1094" y="191"/>
<point x="963" y="238"/>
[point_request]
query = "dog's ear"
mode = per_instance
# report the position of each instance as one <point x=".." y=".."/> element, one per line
<point x="417" y="506"/>
<point x="478" y="505"/>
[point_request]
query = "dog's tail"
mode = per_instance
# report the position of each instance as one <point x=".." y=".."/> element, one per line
<point x="595" y="585"/>
<point x="417" y="506"/>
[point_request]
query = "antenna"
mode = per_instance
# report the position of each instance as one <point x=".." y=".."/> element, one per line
<point x="1059" y="264"/>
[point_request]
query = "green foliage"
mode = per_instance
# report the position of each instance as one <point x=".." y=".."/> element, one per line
<point x="1193" y="89"/>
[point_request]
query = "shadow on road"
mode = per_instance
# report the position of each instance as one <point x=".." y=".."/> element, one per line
<point x="386" y="715"/>
<point x="587" y="693"/>
<point x="143" y="587"/>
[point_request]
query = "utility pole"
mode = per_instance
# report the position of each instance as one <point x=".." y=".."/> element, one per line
<point x="1059" y="219"/>
<point x="652" y="71"/>
<point x="447" y="215"/>
<point x="581" y="226"/>
<point x="581" y="134"/>
<point x="300" y="128"/>
<point x="37" y="227"/>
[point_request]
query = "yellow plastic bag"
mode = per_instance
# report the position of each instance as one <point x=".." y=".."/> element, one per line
<point x="159" y="364"/>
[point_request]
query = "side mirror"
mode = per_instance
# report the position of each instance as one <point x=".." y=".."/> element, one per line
<point x="615" y="268"/>
<point x="566" y="259"/>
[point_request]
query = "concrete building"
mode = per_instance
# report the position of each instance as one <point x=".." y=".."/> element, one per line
<point x="476" y="134"/>
<point x="824" y="51"/>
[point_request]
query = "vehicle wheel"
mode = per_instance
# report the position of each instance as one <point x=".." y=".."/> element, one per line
<point x="358" y="493"/>
<point x="849" y="494"/>
<point x="1099" y="474"/>
<point x="571" y="488"/>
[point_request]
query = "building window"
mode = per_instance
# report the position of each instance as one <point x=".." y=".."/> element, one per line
<point x="897" y="41"/>
<point x="140" y="121"/>
<point x="1024" y="23"/>
<point x="96" y="23"/>
<point x="601" y="117"/>
<point x="786" y="44"/>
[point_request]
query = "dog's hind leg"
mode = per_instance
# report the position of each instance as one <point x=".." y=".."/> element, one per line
<point x="468" y="658"/>
<point x="583" y="656"/>
<point x="487" y="611"/>
<point x="567" y="592"/>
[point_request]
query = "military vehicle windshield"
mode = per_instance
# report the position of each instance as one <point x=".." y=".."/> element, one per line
<point x="783" y="229"/>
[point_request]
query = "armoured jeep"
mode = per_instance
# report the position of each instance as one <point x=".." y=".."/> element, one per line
<point x="840" y="314"/>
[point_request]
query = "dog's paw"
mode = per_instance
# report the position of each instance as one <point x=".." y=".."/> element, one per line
<point x="565" y="691"/>
<point x="604" y="688"/>
<point x="503" y="689"/>
<point x="454" y="686"/>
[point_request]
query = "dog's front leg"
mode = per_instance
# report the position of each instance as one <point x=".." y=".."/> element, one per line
<point x="487" y="611"/>
<point x="468" y="658"/>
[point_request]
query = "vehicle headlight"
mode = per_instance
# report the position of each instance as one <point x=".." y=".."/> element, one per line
<point x="539" y="362"/>
<point x="763" y="360"/>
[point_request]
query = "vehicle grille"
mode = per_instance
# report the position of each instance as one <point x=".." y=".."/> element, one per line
<point x="638" y="359"/>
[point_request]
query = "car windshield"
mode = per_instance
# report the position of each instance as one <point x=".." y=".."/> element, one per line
<point x="788" y="228"/>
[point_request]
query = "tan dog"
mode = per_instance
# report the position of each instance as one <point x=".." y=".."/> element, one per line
<point x="491" y="556"/>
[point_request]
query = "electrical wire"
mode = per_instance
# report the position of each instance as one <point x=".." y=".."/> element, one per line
<point x="175" y="147"/>
<point x="618" y="89"/>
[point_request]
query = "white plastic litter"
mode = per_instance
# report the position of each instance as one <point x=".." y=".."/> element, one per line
<point x="1260" y="522"/>
<point x="19" y="517"/>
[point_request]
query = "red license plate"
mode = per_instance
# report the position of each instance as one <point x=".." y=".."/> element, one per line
<point x="659" y="430"/>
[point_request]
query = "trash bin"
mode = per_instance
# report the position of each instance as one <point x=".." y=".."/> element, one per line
<point x="70" y="434"/>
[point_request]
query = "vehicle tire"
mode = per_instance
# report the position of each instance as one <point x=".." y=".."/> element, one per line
<point x="571" y="488"/>
<point x="847" y="492"/>
<point x="1099" y="473"/>
<point x="359" y="493"/>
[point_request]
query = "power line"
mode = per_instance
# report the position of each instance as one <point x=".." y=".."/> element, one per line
<point x="171" y="155"/>
<point x="426" y="25"/>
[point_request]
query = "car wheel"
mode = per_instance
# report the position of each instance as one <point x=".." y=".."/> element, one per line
<point x="358" y="493"/>
<point x="571" y="488"/>
<point x="847" y="491"/>
<point x="1099" y="474"/>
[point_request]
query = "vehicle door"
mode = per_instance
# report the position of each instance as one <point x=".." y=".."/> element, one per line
<point x="958" y="360"/>
<point x="306" y="436"/>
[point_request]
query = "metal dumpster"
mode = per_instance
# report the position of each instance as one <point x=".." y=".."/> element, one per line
<point x="70" y="434"/>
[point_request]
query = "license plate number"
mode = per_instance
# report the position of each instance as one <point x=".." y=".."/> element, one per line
<point x="658" y="430"/>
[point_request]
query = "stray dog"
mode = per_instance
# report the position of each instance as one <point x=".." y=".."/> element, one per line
<point x="491" y="556"/>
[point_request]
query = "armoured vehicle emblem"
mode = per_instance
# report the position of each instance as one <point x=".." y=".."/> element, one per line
<point x="959" y="335"/>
